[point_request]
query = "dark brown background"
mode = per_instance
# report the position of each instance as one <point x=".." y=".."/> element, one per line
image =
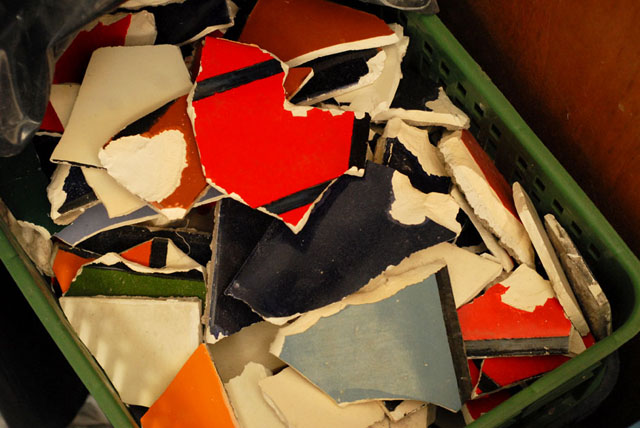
<point x="572" y="70"/>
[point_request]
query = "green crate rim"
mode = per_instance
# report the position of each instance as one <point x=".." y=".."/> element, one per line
<point x="585" y="208"/>
<point x="50" y="314"/>
<point x="44" y="304"/>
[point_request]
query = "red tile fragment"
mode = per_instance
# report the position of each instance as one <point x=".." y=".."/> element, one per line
<point x="73" y="62"/>
<point x="297" y="31"/>
<point x="487" y="317"/>
<point x="253" y="146"/>
<point x="51" y="122"/>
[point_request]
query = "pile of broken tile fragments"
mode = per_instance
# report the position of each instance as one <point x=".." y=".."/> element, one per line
<point x="277" y="224"/>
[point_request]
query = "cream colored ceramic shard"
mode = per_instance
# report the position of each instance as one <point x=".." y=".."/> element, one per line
<point x="62" y="98"/>
<point x="421" y="418"/>
<point x="231" y="354"/>
<point x="247" y="400"/>
<point x="549" y="259"/>
<point x="439" y="112"/>
<point x="121" y="84"/>
<point x="487" y="192"/>
<point x="300" y="404"/>
<point x="412" y="207"/>
<point x="117" y="200"/>
<point x="140" y="343"/>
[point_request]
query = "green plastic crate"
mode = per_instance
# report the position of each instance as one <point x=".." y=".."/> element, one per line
<point x="521" y="156"/>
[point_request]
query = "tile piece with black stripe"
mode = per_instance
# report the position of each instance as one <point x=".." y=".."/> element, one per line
<point x="350" y="238"/>
<point x="276" y="157"/>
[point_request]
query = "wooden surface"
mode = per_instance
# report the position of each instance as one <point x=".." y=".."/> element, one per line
<point x="572" y="70"/>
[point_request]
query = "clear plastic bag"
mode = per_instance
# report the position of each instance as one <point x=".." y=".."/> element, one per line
<point x="33" y="34"/>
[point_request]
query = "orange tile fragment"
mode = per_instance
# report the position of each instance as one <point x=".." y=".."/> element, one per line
<point x="140" y="254"/>
<point x="66" y="266"/>
<point x="195" y="398"/>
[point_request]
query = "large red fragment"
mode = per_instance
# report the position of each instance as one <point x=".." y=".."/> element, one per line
<point x="257" y="147"/>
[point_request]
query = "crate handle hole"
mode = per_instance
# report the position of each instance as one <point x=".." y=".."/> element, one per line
<point x="427" y="48"/>
<point x="478" y="109"/>
<point x="539" y="184"/>
<point x="492" y="145"/>
<point x="495" y="131"/>
<point x="475" y="127"/>
<point x="461" y="89"/>
<point x="576" y="229"/>
<point x="594" y="252"/>
<point x="444" y="68"/>
<point x="522" y="163"/>
<point x="558" y="206"/>
<point x="517" y="176"/>
<point x="535" y="197"/>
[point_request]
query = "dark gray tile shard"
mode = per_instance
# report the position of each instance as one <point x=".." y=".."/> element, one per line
<point x="350" y="238"/>
<point x="237" y="231"/>
<point x="592" y="300"/>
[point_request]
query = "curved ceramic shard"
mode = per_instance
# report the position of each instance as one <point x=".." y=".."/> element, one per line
<point x="157" y="159"/>
<point x="531" y="319"/>
<point x="296" y="31"/>
<point x="256" y="149"/>
<point x="140" y="343"/>
<point x="549" y="259"/>
<point x="194" y="398"/>
<point x="122" y="84"/>
<point x="407" y="346"/>
<point x="350" y="238"/>
<point x="588" y="292"/>
<point x="487" y="192"/>
<point x="237" y="231"/>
